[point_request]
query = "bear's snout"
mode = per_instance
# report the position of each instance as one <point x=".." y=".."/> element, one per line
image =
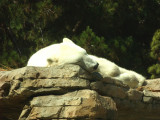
<point x="96" y="66"/>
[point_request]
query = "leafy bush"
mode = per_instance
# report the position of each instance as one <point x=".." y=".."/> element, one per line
<point x="154" y="70"/>
<point x="91" y="42"/>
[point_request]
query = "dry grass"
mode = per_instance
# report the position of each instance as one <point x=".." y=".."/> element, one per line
<point x="1" y="69"/>
<point x="5" y="68"/>
<point x="147" y="88"/>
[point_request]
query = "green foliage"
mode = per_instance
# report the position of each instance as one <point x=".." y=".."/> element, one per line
<point x="155" y="45"/>
<point x="22" y="26"/>
<point x="154" y="70"/>
<point x="121" y="46"/>
<point x="91" y="42"/>
<point x="118" y="30"/>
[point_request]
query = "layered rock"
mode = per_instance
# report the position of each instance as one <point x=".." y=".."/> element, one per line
<point x="82" y="104"/>
<point x="60" y="92"/>
<point x="68" y="92"/>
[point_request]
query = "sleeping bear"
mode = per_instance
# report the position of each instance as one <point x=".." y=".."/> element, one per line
<point x="66" y="52"/>
<point x="109" y="69"/>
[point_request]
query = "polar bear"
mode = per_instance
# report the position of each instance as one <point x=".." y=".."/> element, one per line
<point x="109" y="69"/>
<point x="66" y="52"/>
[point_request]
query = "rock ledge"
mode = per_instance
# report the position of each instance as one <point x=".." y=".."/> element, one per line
<point x="68" y="92"/>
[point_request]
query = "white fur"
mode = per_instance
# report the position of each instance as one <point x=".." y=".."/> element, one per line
<point x="63" y="53"/>
<point x="109" y="69"/>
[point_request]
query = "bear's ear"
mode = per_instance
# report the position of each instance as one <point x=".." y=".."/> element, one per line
<point x="66" y="40"/>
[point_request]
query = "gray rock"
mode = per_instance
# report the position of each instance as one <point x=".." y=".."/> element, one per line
<point x="147" y="99"/>
<point x="135" y="95"/>
<point x="109" y="89"/>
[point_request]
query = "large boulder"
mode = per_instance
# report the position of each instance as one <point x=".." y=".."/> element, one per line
<point x="81" y="104"/>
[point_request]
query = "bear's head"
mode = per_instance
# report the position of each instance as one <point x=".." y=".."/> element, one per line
<point x="70" y="53"/>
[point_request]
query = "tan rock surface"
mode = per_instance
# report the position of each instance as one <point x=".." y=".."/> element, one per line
<point x="73" y="105"/>
<point x="70" y="92"/>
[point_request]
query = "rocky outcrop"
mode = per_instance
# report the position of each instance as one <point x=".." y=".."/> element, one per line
<point x="68" y="92"/>
<point x="82" y="104"/>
